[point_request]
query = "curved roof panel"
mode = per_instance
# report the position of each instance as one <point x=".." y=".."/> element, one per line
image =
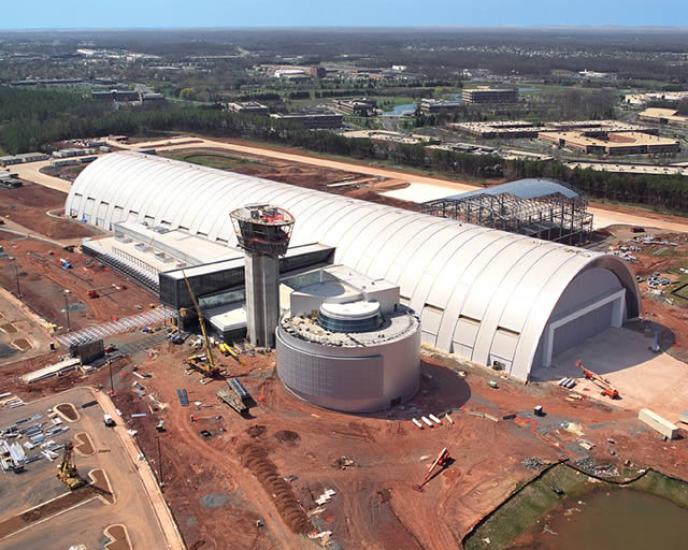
<point x="529" y="188"/>
<point x="469" y="282"/>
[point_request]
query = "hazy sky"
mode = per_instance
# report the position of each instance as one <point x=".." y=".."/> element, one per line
<point x="252" y="13"/>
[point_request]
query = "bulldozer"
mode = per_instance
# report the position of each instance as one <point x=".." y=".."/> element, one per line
<point x="66" y="470"/>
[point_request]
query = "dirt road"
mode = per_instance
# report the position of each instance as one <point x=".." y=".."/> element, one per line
<point x="31" y="171"/>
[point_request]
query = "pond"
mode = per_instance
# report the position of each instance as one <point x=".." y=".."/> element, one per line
<point x="611" y="519"/>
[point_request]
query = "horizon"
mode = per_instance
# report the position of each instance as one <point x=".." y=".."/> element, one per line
<point x="128" y="15"/>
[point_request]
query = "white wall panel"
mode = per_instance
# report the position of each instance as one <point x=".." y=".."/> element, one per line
<point x="499" y="279"/>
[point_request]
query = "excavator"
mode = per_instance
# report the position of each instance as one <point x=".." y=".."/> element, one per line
<point x="66" y="470"/>
<point x="204" y="363"/>
<point x="602" y="383"/>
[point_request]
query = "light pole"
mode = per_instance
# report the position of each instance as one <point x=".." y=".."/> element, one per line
<point x="16" y="274"/>
<point x="66" y="297"/>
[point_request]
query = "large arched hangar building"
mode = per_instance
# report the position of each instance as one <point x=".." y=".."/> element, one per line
<point x="492" y="297"/>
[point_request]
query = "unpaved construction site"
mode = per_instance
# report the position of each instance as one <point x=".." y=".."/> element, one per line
<point x="44" y="271"/>
<point x="180" y="467"/>
<point x="288" y="469"/>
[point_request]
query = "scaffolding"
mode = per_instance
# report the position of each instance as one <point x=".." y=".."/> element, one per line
<point x="553" y="217"/>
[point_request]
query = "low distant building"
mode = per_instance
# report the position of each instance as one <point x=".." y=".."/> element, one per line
<point x="509" y="129"/>
<point x="248" y="107"/>
<point x="613" y="143"/>
<point x="9" y="160"/>
<point x="75" y="152"/>
<point x="47" y="82"/>
<point x="312" y="121"/>
<point x="521" y="129"/>
<point x="359" y="107"/>
<point x="439" y="106"/>
<point x="292" y="74"/>
<point x="9" y="181"/>
<point x="390" y="137"/>
<point x="487" y="94"/>
<point x="116" y="95"/>
<point x="666" y="98"/>
<point x="669" y="117"/>
<point x="153" y="97"/>
<point x="316" y="71"/>
<point x="595" y="75"/>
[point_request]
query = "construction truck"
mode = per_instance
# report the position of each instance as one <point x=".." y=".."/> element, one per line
<point x="203" y="363"/>
<point x="66" y="470"/>
<point x="602" y="383"/>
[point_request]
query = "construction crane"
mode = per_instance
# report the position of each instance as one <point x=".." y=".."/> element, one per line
<point x="206" y="365"/>
<point x="442" y="461"/>
<point x="602" y="383"/>
<point x="66" y="470"/>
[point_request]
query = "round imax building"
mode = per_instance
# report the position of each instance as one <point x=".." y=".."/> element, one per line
<point x="346" y="343"/>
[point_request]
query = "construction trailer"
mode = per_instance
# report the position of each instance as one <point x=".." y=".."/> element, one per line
<point x="538" y="208"/>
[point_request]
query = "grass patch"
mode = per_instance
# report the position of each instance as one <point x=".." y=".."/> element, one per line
<point x="219" y="161"/>
<point x="531" y="503"/>
<point x="660" y="485"/>
<point x="535" y="500"/>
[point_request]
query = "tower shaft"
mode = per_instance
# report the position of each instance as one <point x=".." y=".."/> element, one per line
<point x="261" y="274"/>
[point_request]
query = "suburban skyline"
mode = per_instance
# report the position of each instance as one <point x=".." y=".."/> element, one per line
<point x="127" y="14"/>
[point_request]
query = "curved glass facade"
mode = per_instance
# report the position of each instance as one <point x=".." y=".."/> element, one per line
<point x="349" y="325"/>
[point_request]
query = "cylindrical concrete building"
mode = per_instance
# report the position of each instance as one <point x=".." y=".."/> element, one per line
<point x="350" y="357"/>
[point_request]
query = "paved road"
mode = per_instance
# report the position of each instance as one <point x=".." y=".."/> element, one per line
<point x="31" y="171"/>
<point x="603" y="217"/>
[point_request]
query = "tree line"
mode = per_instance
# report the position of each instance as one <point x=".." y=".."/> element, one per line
<point x="32" y="119"/>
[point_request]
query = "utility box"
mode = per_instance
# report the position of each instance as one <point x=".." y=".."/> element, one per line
<point x="657" y="423"/>
<point x="88" y="352"/>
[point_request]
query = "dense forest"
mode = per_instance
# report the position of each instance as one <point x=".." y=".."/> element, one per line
<point x="32" y="119"/>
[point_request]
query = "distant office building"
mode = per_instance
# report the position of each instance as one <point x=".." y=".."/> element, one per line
<point x="438" y="106"/>
<point x="116" y="95"/>
<point x="312" y="121"/>
<point x="508" y="129"/>
<point x="248" y="107"/>
<point x="316" y="71"/>
<point x="613" y="143"/>
<point x="385" y="136"/>
<point x="358" y="107"/>
<point x="152" y="97"/>
<point x="664" y="116"/>
<point x="48" y="82"/>
<point x="486" y="94"/>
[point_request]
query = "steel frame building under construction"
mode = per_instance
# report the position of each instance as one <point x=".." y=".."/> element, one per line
<point x="537" y="208"/>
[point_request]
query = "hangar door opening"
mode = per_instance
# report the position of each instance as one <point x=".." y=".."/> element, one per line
<point x="593" y="302"/>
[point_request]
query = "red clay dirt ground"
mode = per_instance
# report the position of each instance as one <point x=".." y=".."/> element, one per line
<point x="43" y="281"/>
<point x="27" y="205"/>
<point x="217" y="497"/>
<point x="667" y="260"/>
<point x="304" y="175"/>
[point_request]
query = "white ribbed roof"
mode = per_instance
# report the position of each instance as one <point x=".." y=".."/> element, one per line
<point x="445" y="269"/>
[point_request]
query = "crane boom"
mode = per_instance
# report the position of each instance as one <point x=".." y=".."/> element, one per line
<point x="66" y="470"/>
<point x="206" y="341"/>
